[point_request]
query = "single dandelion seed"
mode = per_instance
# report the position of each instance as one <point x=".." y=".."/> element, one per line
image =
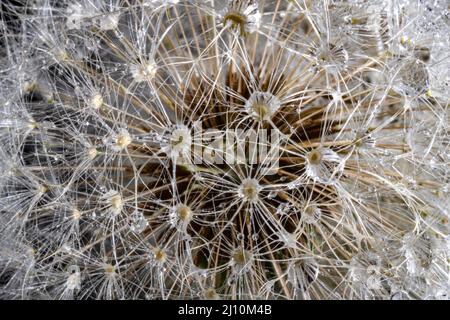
<point x="144" y="72"/>
<point x="179" y="142"/>
<point x="184" y="213"/>
<point x="32" y="124"/>
<point x="180" y="216"/>
<point x="311" y="214"/>
<point x="109" y="269"/>
<point x="324" y="165"/>
<point x="243" y="16"/>
<point x="96" y="101"/>
<point x="160" y="256"/>
<point x="413" y="78"/>
<point x="249" y="190"/>
<point x="61" y="55"/>
<point x="114" y="202"/>
<point x="288" y="239"/>
<point x="121" y="140"/>
<point x="92" y="153"/>
<point x="331" y="57"/>
<point x="211" y="294"/>
<point x="76" y="214"/>
<point x="262" y="105"/>
<point x="42" y="189"/>
<point x="109" y="21"/>
<point x="241" y="260"/>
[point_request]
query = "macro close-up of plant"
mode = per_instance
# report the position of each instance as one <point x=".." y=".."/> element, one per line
<point x="242" y="149"/>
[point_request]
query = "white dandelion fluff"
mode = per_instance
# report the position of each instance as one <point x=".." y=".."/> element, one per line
<point x="244" y="149"/>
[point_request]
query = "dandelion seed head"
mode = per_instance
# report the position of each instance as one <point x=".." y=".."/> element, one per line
<point x="224" y="149"/>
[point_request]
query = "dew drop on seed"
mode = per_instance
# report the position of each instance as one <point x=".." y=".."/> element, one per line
<point x="138" y="223"/>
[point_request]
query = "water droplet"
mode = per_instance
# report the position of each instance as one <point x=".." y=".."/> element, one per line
<point x="138" y="223"/>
